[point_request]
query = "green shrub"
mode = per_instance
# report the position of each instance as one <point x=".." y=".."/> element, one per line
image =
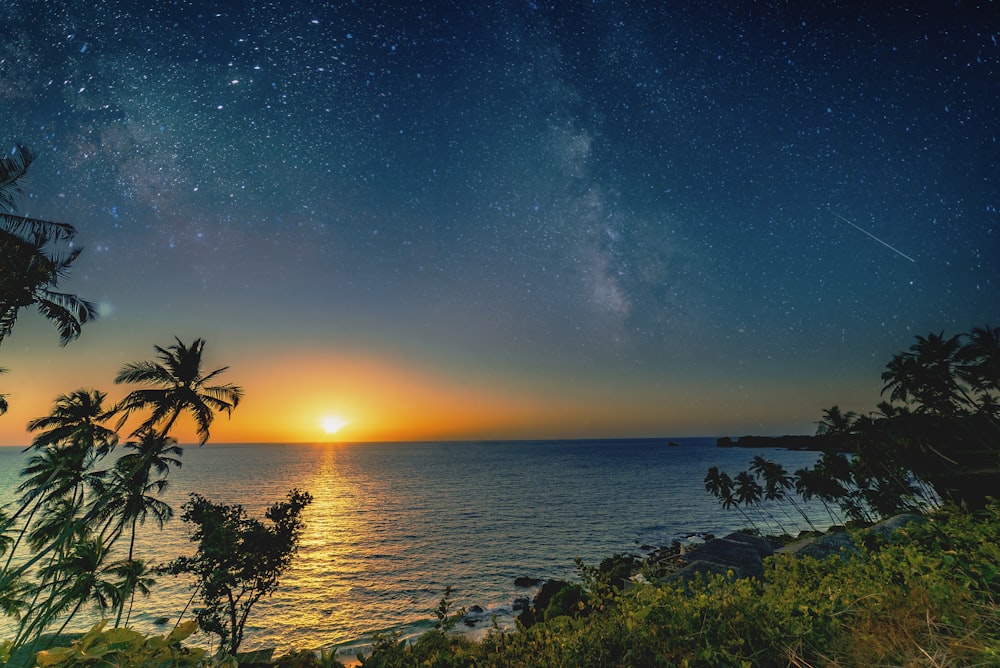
<point x="926" y="596"/>
<point x="125" y="648"/>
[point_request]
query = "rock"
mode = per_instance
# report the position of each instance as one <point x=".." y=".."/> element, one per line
<point x="520" y="603"/>
<point x="526" y="582"/>
<point x="740" y="553"/>
<point x="890" y="525"/>
<point x="841" y="543"/>
<point x="536" y="611"/>
<point x="547" y="593"/>
<point x="475" y="615"/>
<point x="821" y="547"/>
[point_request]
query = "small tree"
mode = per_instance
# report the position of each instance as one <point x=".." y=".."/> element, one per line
<point x="239" y="559"/>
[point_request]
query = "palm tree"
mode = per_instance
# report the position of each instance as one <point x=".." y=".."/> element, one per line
<point x="777" y="482"/>
<point x="810" y="483"/>
<point x="835" y="422"/>
<point x="748" y="492"/>
<point x="71" y="442"/>
<point x="721" y="486"/>
<point x="177" y="386"/>
<point x="134" y="577"/>
<point x="980" y="358"/>
<point x="13" y="166"/>
<point x="78" y="578"/>
<point x="3" y="398"/>
<point x="928" y="375"/>
<point x="130" y="494"/>
<point x="30" y="270"/>
<point x="76" y="420"/>
<point x="53" y="478"/>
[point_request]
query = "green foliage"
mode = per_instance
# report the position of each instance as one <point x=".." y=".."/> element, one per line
<point x="73" y="508"/>
<point x="239" y="559"/>
<point x="309" y="659"/>
<point x="125" y="648"/>
<point x="445" y="619"/>
<point x="925" y="596"/>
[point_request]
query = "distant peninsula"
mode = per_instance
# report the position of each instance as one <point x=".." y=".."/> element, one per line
<point x="788" y="442"/>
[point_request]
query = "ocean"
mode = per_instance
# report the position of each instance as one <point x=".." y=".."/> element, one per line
<point x="393" y="524"/>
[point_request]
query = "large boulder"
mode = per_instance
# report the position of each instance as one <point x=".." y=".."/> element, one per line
<point x="555" y="598"/>
<point x="740" y="553"/>
<point x="841" y="543"/>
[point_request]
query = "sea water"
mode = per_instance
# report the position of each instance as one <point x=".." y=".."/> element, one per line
<point x="392" y="525"/>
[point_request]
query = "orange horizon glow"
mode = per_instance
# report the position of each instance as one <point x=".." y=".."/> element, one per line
<point x="292" y="397"/>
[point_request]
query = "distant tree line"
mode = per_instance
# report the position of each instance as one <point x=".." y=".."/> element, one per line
<point x="936" y="438"/>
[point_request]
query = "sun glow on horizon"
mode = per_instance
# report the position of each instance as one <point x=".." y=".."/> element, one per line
<point x="331" y="424"/>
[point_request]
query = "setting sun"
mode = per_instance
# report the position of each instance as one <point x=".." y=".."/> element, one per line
<point x="332" y="424"/>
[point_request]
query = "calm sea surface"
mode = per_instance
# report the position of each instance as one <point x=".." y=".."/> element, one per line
<point x="392" y="525"/>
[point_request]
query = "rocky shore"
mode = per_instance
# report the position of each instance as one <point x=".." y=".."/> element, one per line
<point x="740" y="553"/>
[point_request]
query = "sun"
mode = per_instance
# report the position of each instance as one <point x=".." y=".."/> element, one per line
<point x="333" y="423"/>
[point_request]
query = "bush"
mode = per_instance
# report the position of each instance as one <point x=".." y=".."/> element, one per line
<point x="926" y="595"/>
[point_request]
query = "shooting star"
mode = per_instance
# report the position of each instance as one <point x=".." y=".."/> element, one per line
<point x="859" y="229"/>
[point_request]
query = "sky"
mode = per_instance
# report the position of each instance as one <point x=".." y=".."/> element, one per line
<point x="487" y="220"/>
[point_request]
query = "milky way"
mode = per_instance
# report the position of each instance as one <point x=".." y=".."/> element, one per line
<point x="603" y="195"/>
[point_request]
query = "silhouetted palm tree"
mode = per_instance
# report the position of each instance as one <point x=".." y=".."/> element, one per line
<point x="134" y="576"/>
<point x="980" y="358"/>
<point x="835" y="422"/>
<point x="79" y="578"/>
<point x="72" y="440"/>
<point x="721" y="486"/>
<point x="129" y="493"/>
<point x="810" y="483"/>
<point x="76" y="420"/>
<point x="748" y="492"/>
<point x="928" y="376"/>
<point x="777" y="482"/>
<point x="177" y="386"/>
<point x="30" y="269"/>
<point x="3" y="398"/>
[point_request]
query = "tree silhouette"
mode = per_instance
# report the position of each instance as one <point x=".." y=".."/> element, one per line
<point x="72" y="438"/>
<point x="777" y="483"/>
<point x="79" y="578"/>
<point x="177" y="385"/>
<point x="836" y="423"/>
<point x="239" y="559"/>
<point x="30" y="266"/>
<point x="3" y="398"/>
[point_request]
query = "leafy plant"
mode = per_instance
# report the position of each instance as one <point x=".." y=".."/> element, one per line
<point x="125" y="648"/>
<point x="239" y="559"/>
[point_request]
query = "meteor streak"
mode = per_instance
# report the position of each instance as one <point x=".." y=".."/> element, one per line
<point x="859" y="229"/>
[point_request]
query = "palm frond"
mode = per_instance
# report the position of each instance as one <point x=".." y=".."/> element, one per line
<point x="13" y="166"/>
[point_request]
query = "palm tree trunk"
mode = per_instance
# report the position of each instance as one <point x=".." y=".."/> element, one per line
<point x="131" y="590"/>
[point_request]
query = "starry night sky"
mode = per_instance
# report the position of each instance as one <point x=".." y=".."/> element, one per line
<point x="509" y="219"/>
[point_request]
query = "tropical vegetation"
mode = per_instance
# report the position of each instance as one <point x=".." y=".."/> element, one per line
<point x="926" y="595"/>
<point x="239" y="559"/>
<point x="77" y="502"/>
<point x="936" y="438"/>
<point x="35" y="256"/>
